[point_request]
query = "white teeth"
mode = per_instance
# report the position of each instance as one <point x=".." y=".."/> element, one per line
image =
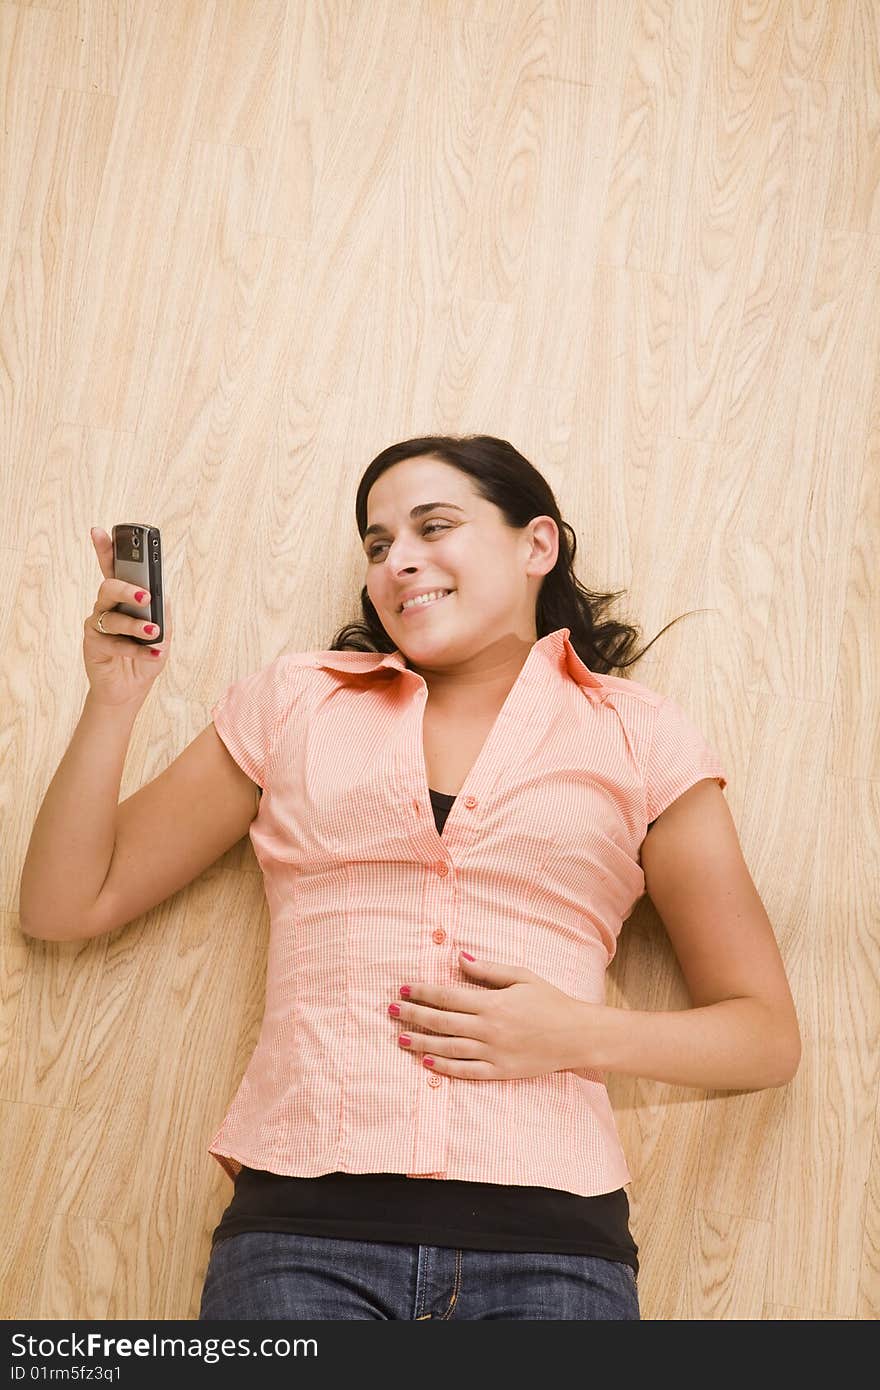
<point x="424" y="599"/>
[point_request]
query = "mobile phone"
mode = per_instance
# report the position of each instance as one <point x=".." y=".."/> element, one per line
<point x="137" y="558"/>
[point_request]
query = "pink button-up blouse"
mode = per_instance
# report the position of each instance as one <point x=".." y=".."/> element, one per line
<point x="538" y="865"/>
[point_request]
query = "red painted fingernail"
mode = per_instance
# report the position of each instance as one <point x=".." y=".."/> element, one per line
<point x="394" y="1009"/>
<point x="405" y="991"/>
<point x="404" y="1040"/>
<point x="467" y="955"/>
<point x="141" y="595"/>
<point x="428" y="1061"/>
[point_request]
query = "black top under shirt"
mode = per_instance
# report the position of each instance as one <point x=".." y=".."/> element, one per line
<point x="429" y="1211"/>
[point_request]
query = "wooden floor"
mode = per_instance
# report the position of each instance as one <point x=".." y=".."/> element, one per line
<point x="245" y="246"/>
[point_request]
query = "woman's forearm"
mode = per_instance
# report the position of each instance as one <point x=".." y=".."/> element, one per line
<point x="737" y="1044"/>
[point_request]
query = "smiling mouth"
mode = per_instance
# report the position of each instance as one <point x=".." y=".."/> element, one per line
<point x="432" y="604"/>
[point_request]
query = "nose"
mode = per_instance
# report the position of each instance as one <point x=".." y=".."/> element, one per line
<point x="396" y="548"/>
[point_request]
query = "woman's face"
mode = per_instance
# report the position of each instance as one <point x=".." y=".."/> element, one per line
<point x="464" y="545"/>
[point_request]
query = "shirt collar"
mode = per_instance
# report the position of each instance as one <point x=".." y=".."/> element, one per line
<point x="555" y="647"/>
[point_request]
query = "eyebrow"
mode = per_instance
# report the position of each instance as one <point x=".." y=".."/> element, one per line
<point x="416" y="512"/>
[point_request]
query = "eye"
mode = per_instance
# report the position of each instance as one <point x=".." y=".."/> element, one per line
<point x="444" y="526"/>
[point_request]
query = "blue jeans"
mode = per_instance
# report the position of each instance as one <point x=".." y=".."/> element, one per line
<point x="281" y="1275"/>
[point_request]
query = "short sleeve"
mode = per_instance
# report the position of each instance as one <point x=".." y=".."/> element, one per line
<point x="250" y="713"/>
<point x="679" y="757"/>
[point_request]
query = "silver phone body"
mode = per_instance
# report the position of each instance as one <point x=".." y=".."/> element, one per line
<point x="137" y="558"/>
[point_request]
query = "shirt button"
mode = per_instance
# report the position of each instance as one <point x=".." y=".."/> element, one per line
<point x="442" y="869"/>
<point x="434" y="1080"/>
<point x="470" y="802"/>
<point x="439" y="935"/>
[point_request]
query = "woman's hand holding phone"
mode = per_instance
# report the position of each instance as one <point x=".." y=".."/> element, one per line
<point x="120" y="671"/>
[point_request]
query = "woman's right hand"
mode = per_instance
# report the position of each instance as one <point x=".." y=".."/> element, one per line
<point x="120" y="671"/>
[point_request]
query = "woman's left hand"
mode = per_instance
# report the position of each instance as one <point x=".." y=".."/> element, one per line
<point x="521" y="1026"/>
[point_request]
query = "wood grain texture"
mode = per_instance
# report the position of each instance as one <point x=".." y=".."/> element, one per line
<point x="245" y="247"/>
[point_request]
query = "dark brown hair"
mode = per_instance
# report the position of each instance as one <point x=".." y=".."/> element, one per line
<point x="502" y="476"/>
